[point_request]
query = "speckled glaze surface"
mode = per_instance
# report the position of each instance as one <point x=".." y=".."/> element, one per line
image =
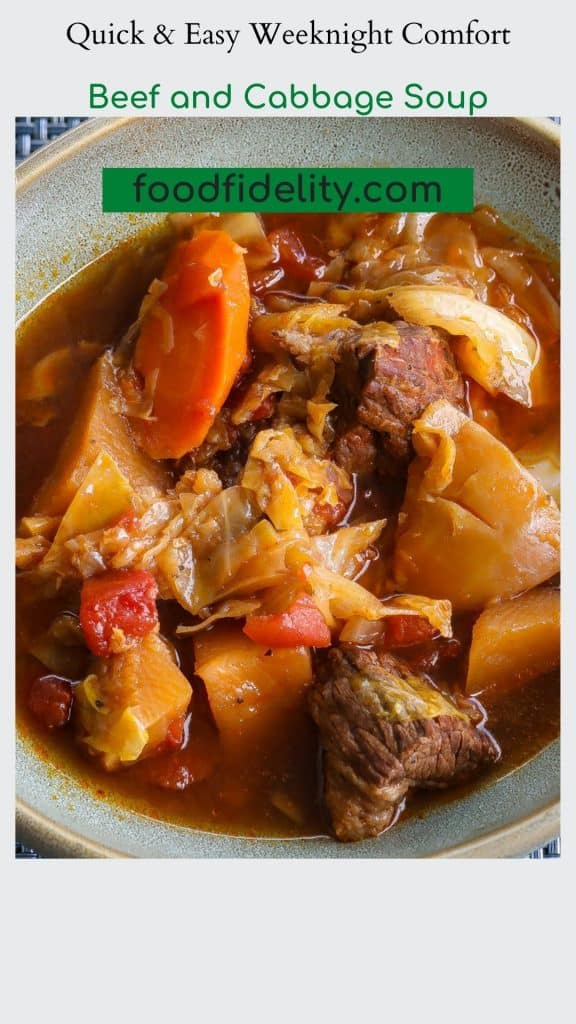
<point x="60" y="228"/>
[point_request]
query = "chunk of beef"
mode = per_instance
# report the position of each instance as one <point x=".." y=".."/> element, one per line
<point x="387" y="373"/>
<point x="385" y="729"/>
<point x="403" y="369"/>
<point x="355" y="451"/>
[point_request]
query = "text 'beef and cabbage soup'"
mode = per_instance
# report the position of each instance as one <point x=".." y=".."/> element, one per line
<point x="288" y="527"/>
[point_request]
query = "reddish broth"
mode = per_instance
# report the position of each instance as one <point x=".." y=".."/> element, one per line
<point x="276" y="792"/>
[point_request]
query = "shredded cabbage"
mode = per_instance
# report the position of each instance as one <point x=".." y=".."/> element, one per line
<point x="298" y="329"/>
<point x="39" y="526"/>
<point x="226" y="610"/>
<point x="102" y="498"/>
<point x="293" y="488"/>
<point x="346" y="550"/>
<point x="274" y="378"/>
<point x="360" y="630"/>
<point x="30" y="551"/>
<point x="438" y="613"/>
<point x="340" y="598"/>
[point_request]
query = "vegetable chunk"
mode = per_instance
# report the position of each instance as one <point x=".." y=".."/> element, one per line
<point x="50" y="701"/>
<point x="294" y="489"/>
<point x="193" y="342"/>
<point x="117" y="608"/>
<point x="475" y="525"/>
<point x="127" y="705"/>
<point x="300" y="623"/>
<point x="515" y="641"/>
<point x="103" y="496"/>
<point x="98" y="427"/>
<point x="251" y="687"/>
<point x="541" y="456"/>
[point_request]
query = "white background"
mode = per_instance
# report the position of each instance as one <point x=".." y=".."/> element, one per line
<point x="275" y="941"/>
<point x="528" y="77"/>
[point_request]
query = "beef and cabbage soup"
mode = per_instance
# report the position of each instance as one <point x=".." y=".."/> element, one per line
<point x="288" y="522"/>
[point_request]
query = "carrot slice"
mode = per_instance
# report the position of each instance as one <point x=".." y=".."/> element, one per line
<point x="193" y="343"/>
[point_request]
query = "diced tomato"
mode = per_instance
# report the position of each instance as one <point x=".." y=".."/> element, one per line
<point x="301" y="624"/>
<point x="122" y="600"/>
<point x="406" y="630"/>
<point x="50" y="701"/>
<point x="330" y="515"/>
<point x="300" y="257"/>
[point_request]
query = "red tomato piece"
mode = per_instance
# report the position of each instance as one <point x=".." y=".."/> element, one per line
<point x="406" y="630"/>
<point x="301" y="624"/>
<point x="122" y="600"/>
<point x="50" y="701"/>
<point x="297" y="255"/>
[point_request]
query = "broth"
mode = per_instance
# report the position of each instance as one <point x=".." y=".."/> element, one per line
<point x="273" y="792"/>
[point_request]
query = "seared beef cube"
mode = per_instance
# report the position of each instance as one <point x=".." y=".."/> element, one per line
<point x="384" y="729"/>
<point x="387" y="373"/>
<point x="355" y="451"/>
<point x="404" y="368"/>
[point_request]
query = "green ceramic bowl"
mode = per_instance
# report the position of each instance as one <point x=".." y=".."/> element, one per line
<point x="60" y="229"/>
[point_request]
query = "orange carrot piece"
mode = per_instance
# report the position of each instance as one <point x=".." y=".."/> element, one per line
<point x="193" y="343"/>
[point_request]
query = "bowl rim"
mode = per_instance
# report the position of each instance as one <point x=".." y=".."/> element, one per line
<point x="94" y="127"/>
<point x="512" y="840"/>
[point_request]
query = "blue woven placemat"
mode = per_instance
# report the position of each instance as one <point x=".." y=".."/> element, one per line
<point x="34" y="132"/>
<point x="31" y="134"/>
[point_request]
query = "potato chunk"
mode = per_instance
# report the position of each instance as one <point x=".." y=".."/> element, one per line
<point x="99" y="426"/>
<point x="251" y="688"/>
<point x="475" y="525"/>
<point x="515" y="641"/>
<point x="126" y="705"/>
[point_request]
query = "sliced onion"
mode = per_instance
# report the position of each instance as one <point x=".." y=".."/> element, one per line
<point x="226" y="610"/>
